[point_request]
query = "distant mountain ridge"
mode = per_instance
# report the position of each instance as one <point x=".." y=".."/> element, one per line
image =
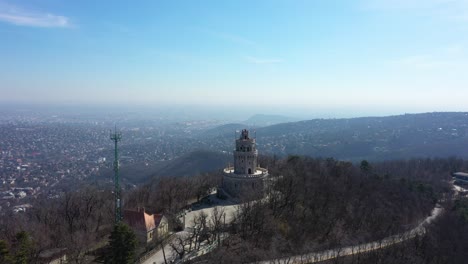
<point x="354" y="139"/>
<point x="222" y="130"/>
<point x="438" y="134"/>
<point x="267" y="120"/>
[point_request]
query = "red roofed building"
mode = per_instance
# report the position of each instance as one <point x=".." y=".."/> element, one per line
<point x="146" y="226"/>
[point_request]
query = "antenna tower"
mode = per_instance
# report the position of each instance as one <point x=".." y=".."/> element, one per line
<point x="116" y="137"/>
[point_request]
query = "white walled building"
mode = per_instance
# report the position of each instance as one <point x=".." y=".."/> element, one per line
<point x="246" y="180"/>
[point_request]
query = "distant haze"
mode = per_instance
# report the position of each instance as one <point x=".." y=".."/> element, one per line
<point x="294" y="58"/>
<point x="240" y="114"/>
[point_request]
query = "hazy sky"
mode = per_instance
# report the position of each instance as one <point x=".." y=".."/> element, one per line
<point x="400" y="55"/>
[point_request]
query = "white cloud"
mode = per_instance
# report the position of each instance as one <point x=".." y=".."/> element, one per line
<point x="256" y="60"/>
<point x="22" y="17"/>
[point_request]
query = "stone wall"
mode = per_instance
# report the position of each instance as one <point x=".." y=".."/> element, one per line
<point x="248" y="188"/>
<point x="243" y="161"/>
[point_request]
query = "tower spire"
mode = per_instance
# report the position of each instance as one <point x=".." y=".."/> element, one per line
<point x="116" y="137"/>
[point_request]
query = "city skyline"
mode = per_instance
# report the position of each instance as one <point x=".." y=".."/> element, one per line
<point x="367" y="56"/>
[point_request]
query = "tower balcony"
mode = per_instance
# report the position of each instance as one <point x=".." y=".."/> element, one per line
<point x="259" y="173"/>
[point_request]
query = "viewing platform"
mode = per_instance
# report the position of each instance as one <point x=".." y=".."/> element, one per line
<point x="245" y="179"/>
<point x="258" y="173"/>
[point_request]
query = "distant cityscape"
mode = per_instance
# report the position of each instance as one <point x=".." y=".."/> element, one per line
<point x="45" y="155"/>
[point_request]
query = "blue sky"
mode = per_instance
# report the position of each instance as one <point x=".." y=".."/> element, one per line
<point x="364" y="55"/>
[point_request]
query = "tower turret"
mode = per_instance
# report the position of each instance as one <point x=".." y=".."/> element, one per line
<point x="245" y="154"/>
<point x="246" y="179"/>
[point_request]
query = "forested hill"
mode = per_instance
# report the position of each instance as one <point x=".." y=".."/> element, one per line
<point x="194" y="163"/>
<point x="373" y="138"/>
<point x="190" y="164"/>
<point x="265" y="120"/>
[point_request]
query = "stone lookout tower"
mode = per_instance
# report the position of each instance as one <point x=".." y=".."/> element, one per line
<point x="246" y="179"/>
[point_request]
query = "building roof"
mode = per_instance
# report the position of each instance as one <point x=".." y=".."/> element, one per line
<point x="141" y="220"/>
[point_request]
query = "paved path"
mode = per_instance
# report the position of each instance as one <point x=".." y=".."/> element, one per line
<point x="229" y="210"/>
<point x="321" y="255"/>
<point x="362" y="248"/>
<point x="158" y="256"/>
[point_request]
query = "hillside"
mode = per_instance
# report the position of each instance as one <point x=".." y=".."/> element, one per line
<point x="223" y="130"/>
<point x="373" y="138"/>
<point x="267" y="120"/>
<point x="190" y="164"/>
<point x="194" y="163"/>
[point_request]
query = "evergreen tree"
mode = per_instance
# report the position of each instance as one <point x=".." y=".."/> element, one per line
<point x="23" y="248"/>
<point x="4" y="252"/>
<point x="123" y="244"/>
<point x="365" y="167"/>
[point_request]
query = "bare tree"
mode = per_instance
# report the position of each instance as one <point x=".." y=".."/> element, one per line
<point x="217" y="223"/>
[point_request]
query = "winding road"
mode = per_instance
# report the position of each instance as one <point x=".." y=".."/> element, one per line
<point x="320" y="256"/>
<point x="356" y="249"/>
<point x="315" y="257"/>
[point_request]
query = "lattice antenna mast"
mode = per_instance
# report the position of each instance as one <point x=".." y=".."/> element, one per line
<point x="116" y="137"/>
